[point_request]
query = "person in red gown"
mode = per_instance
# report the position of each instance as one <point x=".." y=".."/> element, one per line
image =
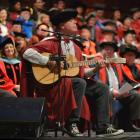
<point x="126" y="102"/>
<point x="131" y="70"/>
<point x="10" y="62"/>
<point x="76" y="86"/>
<point x="63" y="99"/>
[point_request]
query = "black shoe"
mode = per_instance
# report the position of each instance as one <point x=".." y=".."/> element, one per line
<point x="110" y="131"/>
<point x="73" y="130"/>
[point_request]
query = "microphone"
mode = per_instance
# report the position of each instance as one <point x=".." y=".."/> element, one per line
<point x="75" y="37"/>
<point x="79" y="38"/>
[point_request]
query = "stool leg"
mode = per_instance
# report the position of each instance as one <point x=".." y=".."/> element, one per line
<point x="89" y="129"/>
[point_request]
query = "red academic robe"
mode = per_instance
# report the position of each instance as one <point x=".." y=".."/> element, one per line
<point x="50" y="92"/>
<point x="13" y="71"/>
<point x="5" y="82"/>
<point x="129" y="75"/>
<point x="90" y="47"/>
<point x="102" y="73"/>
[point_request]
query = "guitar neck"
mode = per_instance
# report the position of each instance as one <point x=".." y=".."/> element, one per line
<point x="83" y="63"/>
<point x="94" y="62"/>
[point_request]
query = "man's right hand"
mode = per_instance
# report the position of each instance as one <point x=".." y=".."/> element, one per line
<point x="53" y="66"/>
<point x="115" y="93"/>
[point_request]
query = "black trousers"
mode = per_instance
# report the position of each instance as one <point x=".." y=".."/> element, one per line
<point x="132" y="103"/>
<point x="79" y="87"/>
<point x="130" y="110"/>
<point x="97" y="95"/>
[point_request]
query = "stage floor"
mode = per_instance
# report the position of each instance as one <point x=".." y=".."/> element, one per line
<point x="125" y="136"/>
<point x="51" y="136"/>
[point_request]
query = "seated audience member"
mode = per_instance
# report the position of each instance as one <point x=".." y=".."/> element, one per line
<point x="80" y="8"/>
<point x="44" y="18"/>
<point x="40" y="33"/>
<point x="131" y="70"/>
<point x="130" y="38"/>
<point x="100" y="11"/>
<point x="111" y="26"/>
<point x="11" y="65"/>
<point x="88" y="44"/>
<point x="20" y="42"/>
<point x="5" y="25"/>
<point x="16" y="27"/>
<point x="135" y="13"/>
<point x="26" y="21"/>
<point x="38" y="8"/>
<point x="61" y="5"/>
<point x="112" y="75"/>
<point x="127" y="22"/>
<point x="94" y="29"/>
<point x="14" y="9"/>
<point x="116" y="16"/>
<point x="107" y="35"/>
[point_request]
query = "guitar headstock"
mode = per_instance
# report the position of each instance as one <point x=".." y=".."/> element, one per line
<point x="118" y="60"/>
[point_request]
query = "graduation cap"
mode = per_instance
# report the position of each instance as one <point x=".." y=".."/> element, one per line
<point x="58" y="17"/>
<point x="7" y="40"/>
<point x="128" y="48"/>
<point x="109" y="43"/>
<point x="17" y="34"/>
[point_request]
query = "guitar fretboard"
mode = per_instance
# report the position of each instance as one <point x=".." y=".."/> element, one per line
<point x="83" y="63"/>
<point x="94" y="62"/>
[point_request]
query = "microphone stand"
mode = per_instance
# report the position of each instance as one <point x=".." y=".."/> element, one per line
<point x="58" y="60"/>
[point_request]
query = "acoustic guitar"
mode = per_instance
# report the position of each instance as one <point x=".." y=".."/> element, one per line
<point x="45" y="76"/>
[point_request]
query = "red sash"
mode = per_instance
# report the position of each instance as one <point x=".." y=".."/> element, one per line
<point x="128" y="73"/>
<point x="103" y="76"/>
<point x="6" y="83"/>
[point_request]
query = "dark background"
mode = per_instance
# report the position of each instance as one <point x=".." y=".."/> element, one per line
<point x="125" y="5"/>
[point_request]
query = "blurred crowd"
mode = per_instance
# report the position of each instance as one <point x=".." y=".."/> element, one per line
<point x="23" y="26"/>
